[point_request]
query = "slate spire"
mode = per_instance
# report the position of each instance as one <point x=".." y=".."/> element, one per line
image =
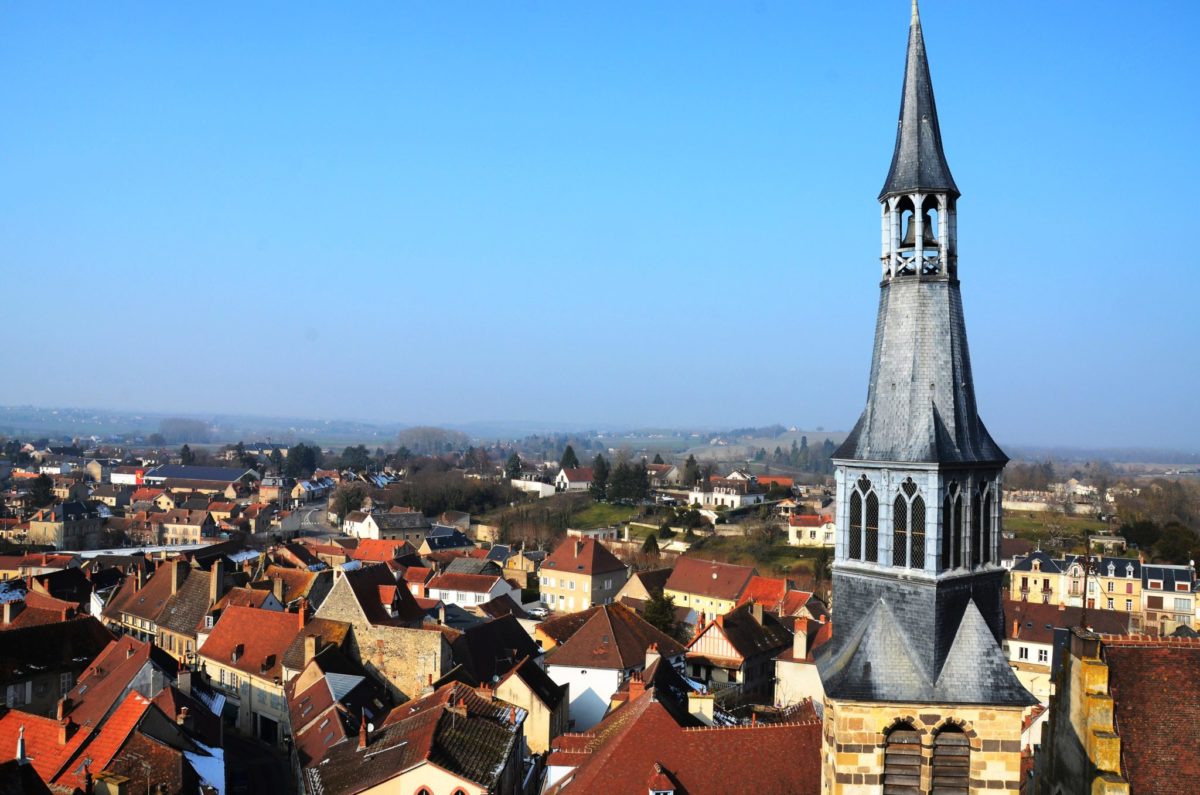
<point x="918" y="162"/>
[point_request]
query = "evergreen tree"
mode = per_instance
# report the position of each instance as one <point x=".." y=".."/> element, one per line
<point x="650" y="546"/>
<point x="660" y="613"/>
<point x="569" y="460"/>
<point x="658" y="459"/>
<point x="600" y="471"/>
<point x="41" y="491"/>
<point x="512" y="467"/>
<point x="277" y="459"/>
<point x="691" y="471"/>
<point x="186" y="456"/>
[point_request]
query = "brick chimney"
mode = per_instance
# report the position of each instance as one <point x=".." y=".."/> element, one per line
<point x="65" y="730"/>
<point x="637" y="686"/>
<point x="362" y="731"/>
<point x="62" y="708"/>
<point x="216" y="581"/>
<point x="1016" y="627"/>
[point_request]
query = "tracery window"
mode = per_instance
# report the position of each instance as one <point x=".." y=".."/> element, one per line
<point x="908" y="527"/>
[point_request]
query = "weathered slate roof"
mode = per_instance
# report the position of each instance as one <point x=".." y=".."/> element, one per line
<point x="881" y="662"/>
<point x="918" y="162"/>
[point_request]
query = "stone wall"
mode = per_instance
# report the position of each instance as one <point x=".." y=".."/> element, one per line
<point x="853" y="740"/>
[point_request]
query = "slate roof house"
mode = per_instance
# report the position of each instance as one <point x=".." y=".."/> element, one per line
<point x="735" y="654"/>
<point x="453" y="740"/>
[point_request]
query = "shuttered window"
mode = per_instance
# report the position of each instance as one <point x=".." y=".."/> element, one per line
<point x="902" y="761"/>
<point x="951" y="762"/>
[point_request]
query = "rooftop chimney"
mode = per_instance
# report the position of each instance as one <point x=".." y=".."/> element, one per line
<point x="702" y="707"/>
<point x="636" y="686"/>
<point x="12" y="609"/>
<point x="652" y="654"/>
<point x="61" y="709"/>
<point x="65" y="731"/>
<point x="800" y="640"/>
<point x="183" y="681"/>
<point x="1016" y="627"/>
<point x="756" y="610"/>
<point x="311" y="645"/>
<point x="300" y="610"/>
<point x="216" y="581"/>
<point x="176" y="577"/>
<point x="182" y="717"/>
<point x="277" y="589"/>
<point x="362" y="731"/>
<point x="21" y="760"/>
<point x="578" y="548"/>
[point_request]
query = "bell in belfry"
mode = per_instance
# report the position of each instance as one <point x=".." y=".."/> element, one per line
<point x="910" y="235"/>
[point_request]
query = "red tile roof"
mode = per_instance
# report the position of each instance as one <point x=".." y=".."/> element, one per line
<point x="379" y="550"/>
<point x="42" y="736"/>
<point x="578" y="475"/>
<point x="104" y="681"/>
<point x="582" y="556"/>
<point x="259" y="638"/>
<point x="641" y="742"/>
<point x="769" y="592"/>
<point x="1154" y="684"/>
<point x="614" y="637"/>
<point x="417" y="574"/>
<point x="809" y="519"/>
<point x="475" y="583"/>
<point x="778" y="480"/>
<point x="104" y="744"/>
<point x="709" y="578"/>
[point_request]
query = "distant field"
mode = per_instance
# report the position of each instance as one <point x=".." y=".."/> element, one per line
<point x="599" y="514"/>
<point x="770" y="559"/>
<point x="1031" y="525"/>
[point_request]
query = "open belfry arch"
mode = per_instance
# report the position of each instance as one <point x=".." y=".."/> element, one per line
<point x="920" y="698"/>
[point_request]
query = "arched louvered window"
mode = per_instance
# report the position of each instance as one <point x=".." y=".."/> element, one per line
<point x="855" y="526"/>
<point x="951" y="761"/>
<point x="987" y="526"/>
<point x="960" y="536"/>
<point x="947" y="557"/>
<point x="872" y="528"/>
<point x="916" y="528"/>
<point x="900" y="531"/>
<point x="976" y="530"/>
<point x="902" y="760"/>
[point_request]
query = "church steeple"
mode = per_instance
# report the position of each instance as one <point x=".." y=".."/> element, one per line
<point x="916" y="572"/>
<point x="918" y="162"/>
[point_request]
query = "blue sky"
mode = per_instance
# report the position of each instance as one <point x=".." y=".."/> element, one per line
<point x="589" y="213"/>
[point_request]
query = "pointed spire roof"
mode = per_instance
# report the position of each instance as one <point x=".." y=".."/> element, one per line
<point x="918" y="162"/>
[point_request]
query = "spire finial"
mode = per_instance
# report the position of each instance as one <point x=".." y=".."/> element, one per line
<point x="916" y="15"/>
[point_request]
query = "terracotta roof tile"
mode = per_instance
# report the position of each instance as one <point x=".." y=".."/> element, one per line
<point x="582" y="556"/>
<point x="252" y="641"/>
<point x="1154" y="683"/>
<point x="709" y="578"/>
<point x="614" y="637"/>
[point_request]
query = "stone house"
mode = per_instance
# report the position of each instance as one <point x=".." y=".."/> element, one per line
<point x="182" y="526"/>
<point x="391" y="641"/>
<point x="67" y="525"/>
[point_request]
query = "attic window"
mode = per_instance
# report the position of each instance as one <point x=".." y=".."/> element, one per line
<point x="1156" y="585"/>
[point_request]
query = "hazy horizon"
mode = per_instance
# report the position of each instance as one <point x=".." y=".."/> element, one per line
<point x="597" y="216"/>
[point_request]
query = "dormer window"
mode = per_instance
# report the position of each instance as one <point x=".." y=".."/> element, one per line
<point x="1112" y="570"/>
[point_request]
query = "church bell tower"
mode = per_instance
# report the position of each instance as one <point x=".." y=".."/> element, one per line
<point x="915" y="660"/>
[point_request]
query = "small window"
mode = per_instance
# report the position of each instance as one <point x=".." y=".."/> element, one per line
<point x="1043" y="656"/>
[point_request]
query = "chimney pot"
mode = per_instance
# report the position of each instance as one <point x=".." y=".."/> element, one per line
<point x="1016" y="626"/>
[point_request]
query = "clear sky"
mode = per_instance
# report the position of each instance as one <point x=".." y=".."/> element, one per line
<point x="641" y="214"/>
